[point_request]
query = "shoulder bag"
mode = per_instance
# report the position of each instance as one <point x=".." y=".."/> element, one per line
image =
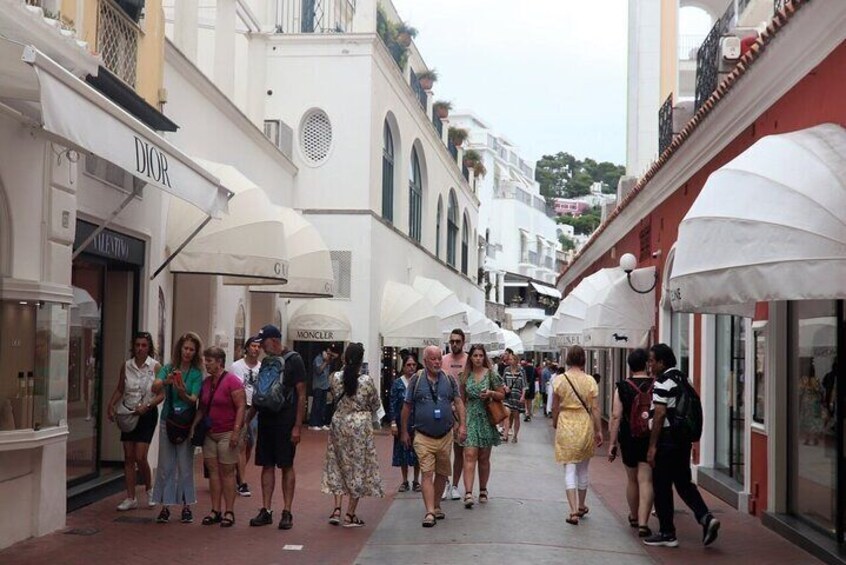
<point x="577" y="394"/>
<point x="204" y="425"/>
<point x="497" y="410"/>
<point x="178" y="424"/>
<point x="125" y="417"/>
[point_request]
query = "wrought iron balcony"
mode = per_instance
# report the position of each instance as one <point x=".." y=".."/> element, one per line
<point x="418" y="90"/>
<point x="465" y="171"/>
<point x="439" y="125"/>
<point x="316" y="16"/>
<point x="453" y="150"/>
<point x="708" y="57"/>
<point x="665" y="124"/>
<point x="117" y="41"/>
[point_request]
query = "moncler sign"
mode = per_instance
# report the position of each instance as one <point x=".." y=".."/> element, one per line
<point x="151" y="162"/>
<point x="314" y="335"/>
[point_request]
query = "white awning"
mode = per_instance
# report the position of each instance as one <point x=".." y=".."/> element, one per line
<point x="319" y="320"/>
<point x="310" y="272"/>
<point x="408" y="319"/>
<point x="37" y="91"/>
<point x="248" y="242"/>
<point x="569" y="321"/>
<point x="496" y="336"/>
<point x="620" y="317"/>
<point x="547" y="290"/>
<point x="513" y="342"/>
<point x="449" y="309"/>
<point x="544" y="341"/>
<point x="478" y="327"/>
<point x="768" y="225"/>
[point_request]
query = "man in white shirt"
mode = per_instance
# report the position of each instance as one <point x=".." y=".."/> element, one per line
<point x="247" y="369"/>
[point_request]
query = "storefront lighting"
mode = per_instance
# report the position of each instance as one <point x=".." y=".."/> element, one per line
<point x="628" y="263"/>
<point x="23" y="303"/>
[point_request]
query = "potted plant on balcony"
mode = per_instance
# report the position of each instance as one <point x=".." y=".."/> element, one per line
<point x="405" y="33"/>
<point x="472" y="159"/>
<point x="479" y="169"/>
<point x="458" y="136"/>
<point x="442" y="108"/>
<point x="428" y="79"/>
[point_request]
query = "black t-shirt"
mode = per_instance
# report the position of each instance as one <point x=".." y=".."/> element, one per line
<point x="295" y="372"/>
<point x="627" y="395"/>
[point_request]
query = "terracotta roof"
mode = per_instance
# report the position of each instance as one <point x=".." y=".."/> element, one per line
<point x="779" y="20"/>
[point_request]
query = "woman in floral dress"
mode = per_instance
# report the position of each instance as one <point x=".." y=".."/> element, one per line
<point x="403" y="457"/>
<point x="351" y="466"/>
<point x="479" y="384"/>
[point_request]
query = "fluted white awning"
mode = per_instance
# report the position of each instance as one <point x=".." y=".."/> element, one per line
<point x="479" y="329"/>
<point x="408" y="319"/>
<point x="513" y="342"/>
<point x="319" y="320"/>
<point x="569" y="321"/>
<point x="449" y="309"/>
<point x="544" y="341"/>
<point x="768" y="225"/>
<point x="617" y="316"/>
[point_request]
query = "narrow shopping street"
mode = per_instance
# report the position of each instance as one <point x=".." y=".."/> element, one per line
<point x="522" y="522"/>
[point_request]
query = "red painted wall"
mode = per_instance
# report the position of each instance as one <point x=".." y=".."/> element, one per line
<point x="758" y="470"/>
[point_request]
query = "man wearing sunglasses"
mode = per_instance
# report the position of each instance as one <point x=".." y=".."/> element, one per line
<point x="453" y="364"/>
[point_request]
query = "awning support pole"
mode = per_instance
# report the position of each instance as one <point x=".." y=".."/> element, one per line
<point x="181" y="246"/>
<point x="105" y="224"/>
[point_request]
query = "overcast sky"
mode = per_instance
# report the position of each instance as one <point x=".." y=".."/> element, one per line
<point x="550" y="75"/>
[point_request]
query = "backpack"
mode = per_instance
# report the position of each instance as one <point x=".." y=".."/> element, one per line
<point x="639" y="410"/>
<point x="686" y="418"/>
<point x="269" y="391"/>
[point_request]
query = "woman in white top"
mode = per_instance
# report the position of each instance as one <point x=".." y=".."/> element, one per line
<point x="134" y="392"/>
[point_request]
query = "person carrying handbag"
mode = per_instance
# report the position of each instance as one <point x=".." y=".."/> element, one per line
<point x="480" y="385"/>
<point x="578" y="431"/>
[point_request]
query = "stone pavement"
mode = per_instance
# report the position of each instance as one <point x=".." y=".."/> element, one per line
<point x="523" y="522"/>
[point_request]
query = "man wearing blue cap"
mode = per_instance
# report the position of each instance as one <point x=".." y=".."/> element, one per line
<point x="278" y="430"/>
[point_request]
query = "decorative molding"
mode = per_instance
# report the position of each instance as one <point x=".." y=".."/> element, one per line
<point x="17" y="440"/>
<point x="19" y="289"/>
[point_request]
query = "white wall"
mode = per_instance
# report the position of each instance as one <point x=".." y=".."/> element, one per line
<point x="644" y="84"/>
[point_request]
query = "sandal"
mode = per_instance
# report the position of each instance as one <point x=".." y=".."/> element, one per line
<point x="335" y="518"/>
<point x="573" y="519"/>
<point x="633" y="522"/>
<point x="403" y="487"/>
<point x="226" y="521"/>
<point x="439" y="514"/>
<point x="213" y="518"/>
<point x="468" y="500"/>
<point x="415" y="486"/>
<point x="483" y="495"/>
<point x="643" y="531"/>
<point x="583" y="510"/>
<point x="352" y="521"/>
<point x="429" y="522"/>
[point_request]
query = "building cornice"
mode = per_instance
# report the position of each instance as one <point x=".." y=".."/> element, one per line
<point x="222" y="102"/>
<point x="813" y="33"/>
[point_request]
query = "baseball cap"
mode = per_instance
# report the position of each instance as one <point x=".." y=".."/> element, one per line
<point x="269" y="331"/>
<point x="251" y="340"/>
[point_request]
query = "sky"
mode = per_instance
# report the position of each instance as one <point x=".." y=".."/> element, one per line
<point x="549" y="75"/>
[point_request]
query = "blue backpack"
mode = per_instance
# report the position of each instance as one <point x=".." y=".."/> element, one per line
<point x="269" y="391"/>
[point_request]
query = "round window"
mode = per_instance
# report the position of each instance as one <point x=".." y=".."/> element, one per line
<point x="316" y="136"/>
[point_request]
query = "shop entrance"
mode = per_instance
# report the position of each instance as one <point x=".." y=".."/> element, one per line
<point x="730" y="386"/>
<point x="104" y="315"/>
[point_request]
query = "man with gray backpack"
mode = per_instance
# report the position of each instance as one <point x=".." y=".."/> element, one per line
<point x="676" y="425"/>
<point x="279" y="397"/>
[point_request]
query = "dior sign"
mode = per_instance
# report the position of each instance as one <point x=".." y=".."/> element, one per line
<point x="151" y="162"/>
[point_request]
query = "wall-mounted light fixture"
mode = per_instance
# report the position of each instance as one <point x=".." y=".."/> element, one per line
<point x="628" y="263"/>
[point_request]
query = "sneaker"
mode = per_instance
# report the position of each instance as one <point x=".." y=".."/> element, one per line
<point x="264" y="518"/>
<point x="661" y="540"/>
<point x="150" y="503"/>
<point x="447" y="492"/>
<point x="244" y="490"/>
<point x="287" y="520"/>
<point x="314" y="428"/>
<point x="710" y="529"/>
<point x="187" y="517"/>
<point x="455" y="495"/>
<point x="164" y="516"/>
<point x="325" y="428"/>
<point x="128" y="504"/>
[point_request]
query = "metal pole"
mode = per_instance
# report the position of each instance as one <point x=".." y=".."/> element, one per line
<point x="102" y="226"/>
<point x="181" y="247"/>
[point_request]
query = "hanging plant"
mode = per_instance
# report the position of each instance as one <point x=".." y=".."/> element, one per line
<point x="457" y="136"/>
<point x="442" y="108"/>
<point x="428" y="79"/>
<point x="405" y="33"/>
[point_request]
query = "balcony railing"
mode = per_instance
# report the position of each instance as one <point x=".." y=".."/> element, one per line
<point x="708" y="57"/>
<point x="439" y="125"/>
<point x="688" y="44"/>
<point x="665" y="124"/>
<point x="117" y="41"/>
<point x="465" y="171"/>
<point x="453" y="150"/>
<point x="316" y="16"/>
<point x="778" y="4"/>
<point x="418" y="90"/>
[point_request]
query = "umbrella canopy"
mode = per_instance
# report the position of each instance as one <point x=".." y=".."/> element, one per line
<point x="769" y="225"/>
<point x="408" y="319"/>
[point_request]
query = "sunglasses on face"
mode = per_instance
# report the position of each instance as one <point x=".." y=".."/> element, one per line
<point x="456" y="341"/>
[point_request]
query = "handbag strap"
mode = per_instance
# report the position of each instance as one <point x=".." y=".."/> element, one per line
<point x="577" y="393"/>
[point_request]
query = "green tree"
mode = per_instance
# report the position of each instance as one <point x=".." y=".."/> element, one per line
<point x="563" y="175"/>
<point x="566" y="243"/>
<point x="584" y="224"/>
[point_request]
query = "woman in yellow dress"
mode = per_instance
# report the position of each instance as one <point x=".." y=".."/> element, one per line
<point x="578" y="431"/>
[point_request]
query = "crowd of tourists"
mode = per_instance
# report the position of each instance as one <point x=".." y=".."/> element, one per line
<point x="446" y="415"/>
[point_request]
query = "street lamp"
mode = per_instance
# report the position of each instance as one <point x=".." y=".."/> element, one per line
<point x="628" y="263"/>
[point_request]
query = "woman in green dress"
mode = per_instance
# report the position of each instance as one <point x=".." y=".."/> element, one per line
<point x="479" y="384"/>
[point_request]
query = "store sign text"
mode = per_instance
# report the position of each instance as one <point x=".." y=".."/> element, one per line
<point x="151" y="162"/>
<point x="111" y="245"/>
<point x="315" y="335"/>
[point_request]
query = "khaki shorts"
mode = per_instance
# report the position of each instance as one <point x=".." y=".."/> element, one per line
<point x="217" y="447"/>
<point x="434" y="453"/>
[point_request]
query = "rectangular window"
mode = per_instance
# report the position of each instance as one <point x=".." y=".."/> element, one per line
<point x="729" y="395"/>
<point x="342" y="270"/>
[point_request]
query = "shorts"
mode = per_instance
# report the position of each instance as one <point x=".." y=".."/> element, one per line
<point x="217" y="447"/>
<point x="434" y="453"/>
<point x="530" y="395"/>
<point x="273" y="445"/>
<point x="144" y="429"/>
<point x="633" y="451"/>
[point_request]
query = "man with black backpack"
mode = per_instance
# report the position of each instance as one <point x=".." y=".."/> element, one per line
<point x="279" y="397"/>
<point x="676" y="425"/>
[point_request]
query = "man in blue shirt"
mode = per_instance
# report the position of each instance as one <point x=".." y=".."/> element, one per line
<point x="432" y="395"/>
<point x="323" y="364"/>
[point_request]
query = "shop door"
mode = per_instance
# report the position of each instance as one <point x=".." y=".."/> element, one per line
<point x="730" y="398"/>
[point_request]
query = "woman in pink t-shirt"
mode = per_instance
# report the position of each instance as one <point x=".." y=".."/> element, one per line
<point x="223" y="402"/>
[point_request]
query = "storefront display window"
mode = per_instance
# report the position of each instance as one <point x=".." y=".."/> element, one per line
<point x="33" y="364"/>
<point x="760" y="392"/>
<point x="680" y="340"/>
<point x="729" y="395"/>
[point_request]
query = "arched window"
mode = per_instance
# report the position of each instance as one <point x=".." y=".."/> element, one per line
<point x="438" y="220"/>
<point x="415" y="199"/>
<point x="387" y="173"/>
<point x="465" y="247"/>
<point x="452" y="228"/>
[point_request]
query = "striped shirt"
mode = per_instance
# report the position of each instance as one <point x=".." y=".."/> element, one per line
<point x="665" y="392"/>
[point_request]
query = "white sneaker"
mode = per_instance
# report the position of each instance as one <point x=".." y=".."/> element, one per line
<point x="447" y="492"/>
<point x="455" y="494"/>
<point x="128" y="504"/>
<point x="314" y="428"/>
<point x="150" y="503"/>
<point x="325" y="428"/>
